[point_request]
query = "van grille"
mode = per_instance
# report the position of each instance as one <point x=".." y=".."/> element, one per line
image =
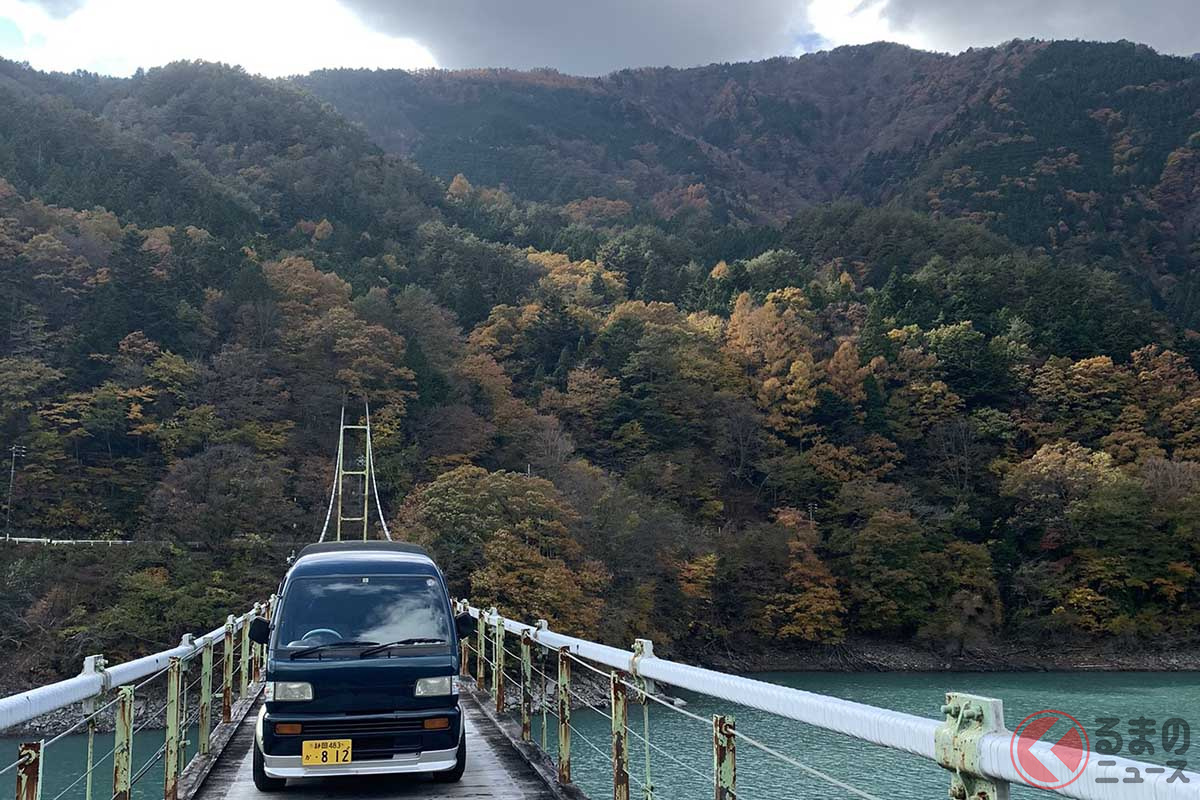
<point x="338" y="727"/>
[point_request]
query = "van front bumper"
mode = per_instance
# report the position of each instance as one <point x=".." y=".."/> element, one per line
<point x="382" y="743"/>
<point x="429" y="761"/>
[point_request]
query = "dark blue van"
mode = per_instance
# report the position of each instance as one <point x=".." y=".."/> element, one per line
<point x="362" y="654"/>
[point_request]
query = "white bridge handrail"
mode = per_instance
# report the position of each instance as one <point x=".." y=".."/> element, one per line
<point x="20" y="708"/>
<point x="897" y="730"/>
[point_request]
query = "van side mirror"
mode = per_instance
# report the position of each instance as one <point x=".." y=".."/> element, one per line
<point x="465" y="624"/>
<point x="260" y="631"/>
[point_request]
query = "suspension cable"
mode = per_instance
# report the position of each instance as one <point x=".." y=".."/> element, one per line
<point x="374" y="487"/>
<point x="337" y="472"/>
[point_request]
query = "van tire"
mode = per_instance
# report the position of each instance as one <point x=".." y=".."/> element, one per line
<point x="455" y="773"/>
<point x="262" y="781"/>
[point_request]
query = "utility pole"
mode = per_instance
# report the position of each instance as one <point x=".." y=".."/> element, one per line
<point x="18" y="451"/>
<point x="812" y="523"/>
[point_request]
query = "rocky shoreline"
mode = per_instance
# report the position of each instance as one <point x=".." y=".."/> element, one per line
<point x="149" y="709"/>
<point x="866" y="655"/>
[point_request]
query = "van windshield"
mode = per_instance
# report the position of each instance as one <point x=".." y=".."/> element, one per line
<point x="375" y="609"/>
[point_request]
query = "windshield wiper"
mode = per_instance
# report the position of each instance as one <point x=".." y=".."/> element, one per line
<point x="319" y="647"/>
<point x="379" y="648"/>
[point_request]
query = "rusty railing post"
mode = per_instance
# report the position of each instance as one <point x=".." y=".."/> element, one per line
<point x="724" y="758"/>
<point x="205" y="721"/>
<point x="498" y="663"/>
<point x="464" y="655"/>
<point x="29" y="773"/>
<point x="227" y="674"/>
<point x="244" y="686"/>
<point x="123" y="744"/>
<point x="545" y="681"/>
<point x="620" y="737"/>
<point x="526" y="687"/>
<point x="171" y="744"/>
<point x="480" y="647"/>
<point x="184" y="663"/>
<point x="92" y="665"/>
<point x="564" y="716"/>
<point x="255" y="649"/>
<point x="91" y="758"/>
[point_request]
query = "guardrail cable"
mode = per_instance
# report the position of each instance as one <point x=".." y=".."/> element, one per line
<point x="670" y="757"/>
<point x="707" y="723"/>
<point x="753" y="743"/>
<point x="154" y="759"/>
<point x="85" y="773"/>
<point x="149" y="679"/>
<point x="816" y="773"/>
<point x="80" y="723"/>
<point x="13" y="765"/>
<point x="586" y="665"/>
<point x="151" y="717"/>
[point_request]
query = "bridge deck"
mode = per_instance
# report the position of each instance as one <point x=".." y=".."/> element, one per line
<point x="494" y="770"/>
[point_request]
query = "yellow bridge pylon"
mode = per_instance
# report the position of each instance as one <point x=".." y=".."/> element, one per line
<point x="364" y="474"/>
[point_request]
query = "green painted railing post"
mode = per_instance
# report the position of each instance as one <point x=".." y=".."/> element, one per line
<point x="724" y="758"/>
<point x="244" y="688"/>
<point x="643" y="649"/>
<point x="545" y="681"/>
<point x="123" y="744"/>
<point x="619" y="699"/>
<point x="564" y="716"/>
<point x="480" y="646"/>
<point x="251" y="647"/>
<point x="29" y="773"/>
<point x="205" y="722"/>
<point x="92" y="665"/>
<point x="269" y="609"/>
<point x="498" y="662"/>
<point x="171" y="745"/>
<point x="526" y="687"/>
<point x="227" y="674"/>
<point x="91" y="759"/>
<point x="184" y="663"/>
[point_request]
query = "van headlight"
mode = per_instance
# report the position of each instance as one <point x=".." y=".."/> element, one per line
<point x="288" y="691"/>
<point x="435" y="687"/>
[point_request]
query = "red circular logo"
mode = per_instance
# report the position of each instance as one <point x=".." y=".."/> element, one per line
<point x="1043" y="767"/>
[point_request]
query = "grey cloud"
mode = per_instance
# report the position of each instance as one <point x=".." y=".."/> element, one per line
<point x="589" y="37"/>
<point x="1170" y="26"/>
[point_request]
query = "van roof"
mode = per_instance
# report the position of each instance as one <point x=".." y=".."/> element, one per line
<point x="357" y="547"/>
<point x="375" y="558"/>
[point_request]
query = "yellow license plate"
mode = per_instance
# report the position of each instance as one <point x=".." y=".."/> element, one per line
<point x="320" y="752"/>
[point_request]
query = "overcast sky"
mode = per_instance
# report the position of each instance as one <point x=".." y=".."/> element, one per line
<point x="589" y="37"/>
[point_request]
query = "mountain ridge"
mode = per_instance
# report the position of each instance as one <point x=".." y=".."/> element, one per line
<point x="1084" y="149"/>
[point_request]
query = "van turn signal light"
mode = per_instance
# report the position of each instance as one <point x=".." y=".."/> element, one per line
<point x="437" y="724"/>
<point x="287" y="728"/>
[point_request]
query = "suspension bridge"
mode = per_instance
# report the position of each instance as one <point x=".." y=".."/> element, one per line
<point x="179" y="723"/>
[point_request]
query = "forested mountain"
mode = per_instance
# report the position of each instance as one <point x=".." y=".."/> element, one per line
<point x="760" y="355"/>
<point x="1083" y="149"/>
